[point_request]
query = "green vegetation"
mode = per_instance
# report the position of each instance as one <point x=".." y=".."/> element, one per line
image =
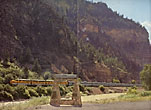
<point x="134" y="95"/>
<point x="13" y="71"/>
<point x="33" y="93"/>
<point x="145" y="76"/>
<point x="145" y="93"/>
<point x="47" y="75"/>
<point x="132" y="91"/>
<point x="133" y="81"/>
<point x="115" y="81"/>
<point x="26" y="56"/>
<point x="102" y="88"/>
<point x="9" y="92"/>
<point x="37" y="67"/>
<point x="82" y="88"/>
<point x="5" y="96"/>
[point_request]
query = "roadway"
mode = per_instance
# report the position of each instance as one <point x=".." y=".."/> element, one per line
<point x="141" y="105"/>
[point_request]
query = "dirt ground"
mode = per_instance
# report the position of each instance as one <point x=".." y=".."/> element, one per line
<point x="143" y="105"/>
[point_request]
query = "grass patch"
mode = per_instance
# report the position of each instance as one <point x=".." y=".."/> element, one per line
<point x="125" y="98"/>
<point x="134" y="97"/>
<point x="31" y="103"/>
<point x="128" y="97"/>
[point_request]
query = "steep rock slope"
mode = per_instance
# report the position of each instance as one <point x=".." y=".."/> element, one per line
<point x="107" y="30"/>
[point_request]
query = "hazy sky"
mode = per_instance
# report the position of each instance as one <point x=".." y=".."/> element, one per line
<point x="138" y="10"/>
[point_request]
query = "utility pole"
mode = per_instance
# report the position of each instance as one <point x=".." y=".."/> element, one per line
<point x="76" y="65"/>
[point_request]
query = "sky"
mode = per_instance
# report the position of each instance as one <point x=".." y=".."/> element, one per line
<point x="138" y="10"/>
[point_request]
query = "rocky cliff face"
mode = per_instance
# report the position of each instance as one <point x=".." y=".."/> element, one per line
<point x="130" y="36"/>
<point x="97" y="17"/>
<point x="134" y="42"/>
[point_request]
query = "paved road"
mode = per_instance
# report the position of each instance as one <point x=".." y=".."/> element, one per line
<point x="143" y="105"/>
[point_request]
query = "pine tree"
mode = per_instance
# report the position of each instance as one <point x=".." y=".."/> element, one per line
<point x="26" y="73"/>
<point x="37" y="67"/>
<point x="145" y="76"/>
<point x="26" y="56"/>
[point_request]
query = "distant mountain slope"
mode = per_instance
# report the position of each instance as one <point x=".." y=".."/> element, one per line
<point x="50" y="32"/>
<point x="31" y="30"/>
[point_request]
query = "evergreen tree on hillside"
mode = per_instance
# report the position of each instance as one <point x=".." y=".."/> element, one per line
<point x="145" y="76"/>
<point x="5" y="63"/>
<point x="37" y="67"/>
<point x="26" y="56"/>
<point x="26" y="73"/>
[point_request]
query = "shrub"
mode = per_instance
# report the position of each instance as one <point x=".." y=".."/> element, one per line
<point x="41" y="91"/>
<point x="116" y="81"/>
<point x="32" y="92"/>
<point x="47" y="75"/>
<point x="9" y="88"/>
<point x="133" y="81"/>
<point x="70" y="88"/>
<point x="79" y="80"/>
<point x="5" y="96"/>
<point x="26" y="94"/>
<point x="89" y="89"/>
<point x="132" y="91"/>
<point x="145" y="93"/>
<point x="62" y="90"/>
<point x="22" y="92"/>
<point x="145" y="76"/>
<point x="49" y="91"/>
<point x="69" y="94"/>
<point x="134" y="87"/>
<point x="8" y="78"/>
<point x="1" y="80"/>
<point x="82" y="88"/>
<point x="26" y="73"/>
<point x="86" y="92"/>
<point x="101" y="87"/>
<point x="1" y="87"/>
<point x="16" y="95"/>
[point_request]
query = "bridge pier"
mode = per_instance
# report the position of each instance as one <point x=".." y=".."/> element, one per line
<point x="55" y="96"/>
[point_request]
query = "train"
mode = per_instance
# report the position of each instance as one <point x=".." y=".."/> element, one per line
<point x="36" y="82"/>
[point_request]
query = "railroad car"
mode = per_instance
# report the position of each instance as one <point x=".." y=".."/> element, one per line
<point x="34" y="82"/>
